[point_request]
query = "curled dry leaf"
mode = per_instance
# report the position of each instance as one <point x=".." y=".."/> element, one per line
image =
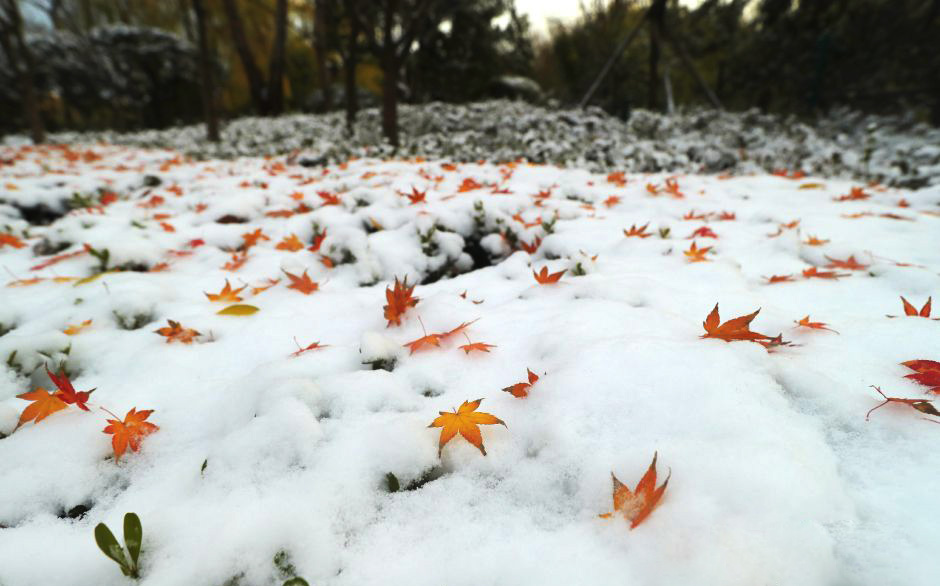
<point x="635" y="506"/>
<point x="464" y="420"/>
<point x="521" y="390"/>
<point x="926" y="372"/>
<point x="922" y="405"/>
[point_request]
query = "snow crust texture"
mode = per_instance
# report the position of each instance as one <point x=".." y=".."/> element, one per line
<point x="265" y="449"/>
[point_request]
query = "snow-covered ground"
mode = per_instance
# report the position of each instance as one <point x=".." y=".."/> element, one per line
<point x="893" y="150"/>
<point x="264" y="451"/>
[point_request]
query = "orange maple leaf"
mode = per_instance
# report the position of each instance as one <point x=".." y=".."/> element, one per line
<point x="617" y="178"/>
<point x="696" y="254"/>
<point x="291" y="243"/>
<point x="531" y="248"/>
<point x="130" y="432"/>
<point x="733" y="329"/>
<point x="856" y="193"/>
<point x="328" y="199"/>
<point x="637" y="232"/>
<point x="226" y="295"/>
<point x="927" y="373"/>
<point x="815" y="325"/>
<point x="252" y="238"/>
<point x="399" y="300"/>
<point x="468" y="184"/>
<point x="314" y="346"/>
<point x="458" y="330"/>
<point x="544" y="278"/>
<point x="849" y="263"/>
<point x="238" y="259"/>
<point x="779" y="279"/>
<point x="72" y="330"/>
<point x="43" y="405"/>
<point x="911" y="310"/>
<point x="464" y="420"/>
<point x="416" y="197"/>
<point x="922" y="405"/>
<point x="10" y="240"/>
<point x="637" y="505"/>
<point x="478" y="346"/>
<point x="813" y="241"/>
<point x="815" y="273"/>
<point x="177" y="333"/>
<point x="611" y="201"/>
<point x="302" y="283"/>
<point x="521" y="390"/>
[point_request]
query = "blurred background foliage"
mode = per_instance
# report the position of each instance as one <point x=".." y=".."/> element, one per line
<point x="130" y="64"/>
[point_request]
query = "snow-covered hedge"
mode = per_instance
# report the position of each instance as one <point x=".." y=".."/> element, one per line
<point x="894" y="150"/>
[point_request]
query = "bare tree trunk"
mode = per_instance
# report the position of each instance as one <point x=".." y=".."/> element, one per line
<point x="351" y="61"/>
<point x="657" y="16"/>
<point x="322" y="18"/>
<point x="207" y="86"/>
<point x="276" y="66"/>
<point x="256" y="85"/>
<point x="389" y="76"/>
<point x="21" y="59"/>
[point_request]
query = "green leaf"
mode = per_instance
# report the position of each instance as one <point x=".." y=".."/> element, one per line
<point x="133" y="535"/>
<point x="238" y="309"/>
<point x="392" y="481"/>
<point x="109" y="545"/>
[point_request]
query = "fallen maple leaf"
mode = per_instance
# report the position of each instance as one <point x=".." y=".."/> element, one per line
<point x="856" y="193"/>
<point x="43" y="405"/>
<point x="611" y="201"/>
<point x="912" y="311"/>
<point x="67" y="392"/>
<point x="458" y="330"/>
<point x="290" y="243"/>
<point x="177" y="333"/>
<point x="71" y="330"/>
<point x="464" y="420"/>
<point x="521" y="390"/>
<point x="328" y="199"/>
<point x="302" y="283"/>
<point x="779" y="279"/>
<point x="703" y="232"/>
<point x="635" y="232"/>
<point x="544" y="278"/>
<point x="130" y="432"/>
<point x="238" y="259"/>
<point x="696" y="254"/>
<point x="849" y="263"/>
<point x="733" y="329"/>
<point x="399" y="300"/>
<point x="7" y="239"/>
<point x="318" y="239"/>
<point x="252" y="238"/>
<point x="478" y="346"/>
<point x="813" y="241"/>
<point x="815" y="325"/>
<point x="815" y="273"/>
<point x="314" y="346"/>
<point x="637" y="505"/>
<point x="468" y="184"/>
<point x="226" y="295"/>
<point x="531" y="248"/>
<point x="927" y="373"/>
<point x="922" y="405"/>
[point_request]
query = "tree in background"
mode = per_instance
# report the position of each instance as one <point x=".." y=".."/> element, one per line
<point x="267" y="96"/>
<point x="206" y="86"/>
<point x="19" y="59"/>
